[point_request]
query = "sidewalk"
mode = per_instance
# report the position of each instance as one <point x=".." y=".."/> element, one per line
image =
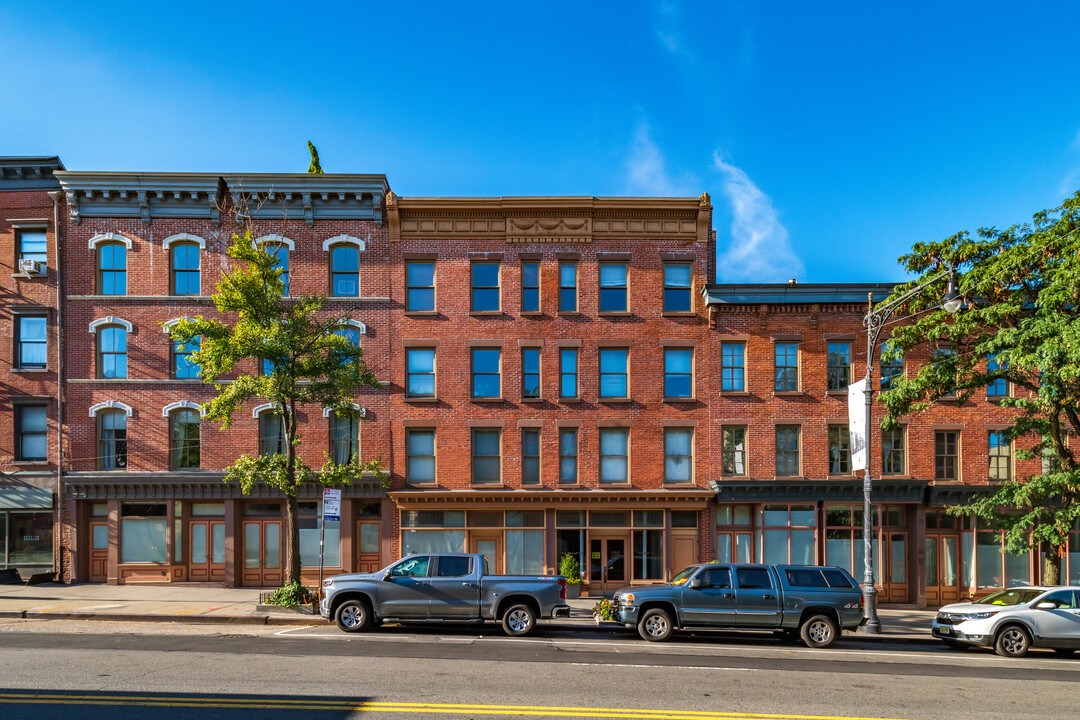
<point x="202" y="604"/>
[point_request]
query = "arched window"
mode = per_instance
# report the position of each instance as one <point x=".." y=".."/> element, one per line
<point x="183" y="367"/>
<point x="281" y="252"/>
<point x="112" y="268"/>
<point x="344" y="437"/>
<point x="184" y="258"/>
<point x="345" y="271"/>
<point x="271" y="433"/>
<point x="112" y="352"/>
<point x="112" y="440"/>
<point x="184" y="430"/>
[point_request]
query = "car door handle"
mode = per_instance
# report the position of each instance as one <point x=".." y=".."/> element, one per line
<point x="768" y="597"/>
<point x="729" y="595"/>
<point x="467" y="584"/>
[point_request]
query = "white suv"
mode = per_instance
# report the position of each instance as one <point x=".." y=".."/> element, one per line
<point x="1014" y="620"/>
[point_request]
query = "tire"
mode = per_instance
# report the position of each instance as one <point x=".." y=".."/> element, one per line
<point x="1064" y="652"/>
<point x="818" y="631"/>
<point x="655" y="625"/>
<point x="1012" y="641"/>
<point x="519" y="620"/>
<point x="353" y="616"/>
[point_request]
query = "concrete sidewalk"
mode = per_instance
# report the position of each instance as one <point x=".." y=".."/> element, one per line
<point x="211" y="604"/>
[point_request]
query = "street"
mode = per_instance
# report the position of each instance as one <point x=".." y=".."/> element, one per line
<point x="76" y="669"/>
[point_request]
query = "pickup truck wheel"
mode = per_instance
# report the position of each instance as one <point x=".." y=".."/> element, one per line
<point x="519" y="621"/>
<point x="655" y="625"/>
<point x="1013" y="641"/>
<point x="353" y="616"/>
<point x="818" y="631"/>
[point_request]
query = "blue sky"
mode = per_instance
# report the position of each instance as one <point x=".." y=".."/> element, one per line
<point x="831" y="135"/>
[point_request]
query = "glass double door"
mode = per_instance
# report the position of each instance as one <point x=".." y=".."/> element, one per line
<point x="942" y="568"/>
<point x="262" y="553"/>
<point x="607" y="564"/>
<point x="206" y="555"/>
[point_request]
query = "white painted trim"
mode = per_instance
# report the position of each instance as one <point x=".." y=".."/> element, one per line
<point x="110" y="405"/>
<point x="260" y="409"/>
<point x="182" y="404"/>
<point x="110" y="320"/>
<point x="109" y="237"/>
<point x="168" y="324"/>
<point x="276" y="240"/>
<point x="344" y="240"/>
<point x="183" y="237"/>
<point x="363" y="411"/>
<point x="356" y="324"/>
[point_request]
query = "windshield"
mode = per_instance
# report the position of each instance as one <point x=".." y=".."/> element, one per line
<point x="1010" y="597"/>
<point x="684" y="575"/>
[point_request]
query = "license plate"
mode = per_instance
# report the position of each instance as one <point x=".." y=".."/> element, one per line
<point x="944" y="630"/>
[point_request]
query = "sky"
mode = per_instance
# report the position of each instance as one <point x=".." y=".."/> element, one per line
<point x="830" y="135"/>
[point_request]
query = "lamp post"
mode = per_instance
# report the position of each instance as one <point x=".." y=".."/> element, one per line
<point x="874" y="321"/>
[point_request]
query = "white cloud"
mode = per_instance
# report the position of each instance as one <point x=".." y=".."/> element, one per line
<point x="646" y="170"/>
<point x="759" y="250"/>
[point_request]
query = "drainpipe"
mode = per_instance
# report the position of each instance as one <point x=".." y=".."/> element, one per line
<point x="59" y="527"/>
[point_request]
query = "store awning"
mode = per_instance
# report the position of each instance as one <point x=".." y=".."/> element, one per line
<point x="785" y="491"/>
<point x="25" y="498"/>
<point x="209" y="485"/>
<point x="564" y="499"/>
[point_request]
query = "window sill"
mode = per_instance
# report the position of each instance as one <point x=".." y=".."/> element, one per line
<point x="836" y="393"/>
<point x="422" y="485"/>
<point x="569" y="313"/>
<point x="570" y="400"/>
<point x="569" y="485"/>
<point x="358" y="298"/>
<point x="531" y="313"/>
<point x="845" y="476"/>
<point x="788" y="393"/>
<point x="614" y="485"/>
<point x="421" y="313"/>
<point x="421" y="399"/>
<point x="481" y="400"/>
<point x="678" y="313"/>
<point x="28" y="276"/>
<point x="680" y="399"/>
<point x="614" y="400"/>
<point x="532" y="400"/>
<point x="29" y="370"/>
<point x="996" y="399"/>
<point x="734" y="393"/>
<point x="741" y="476"/>
<point x="679" y="485"/>
<point x="789" y="478"/>
<point x="485" y="313"/>
<point x="616" y="313"/>
<point x="30" y="463"/>
<point x="488" y="485"/>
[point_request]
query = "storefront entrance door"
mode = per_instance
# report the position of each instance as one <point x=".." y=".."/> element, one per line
<point x="607" y="564"/>
<point x="368" y="559"/>
<point x="207" y="552"/>
<point x="99" y="551"/>
<point x="942" y="569"/>
<point x="262" y="553"/>
<point x="894" y="572"/>
<point x="490" y="546"/>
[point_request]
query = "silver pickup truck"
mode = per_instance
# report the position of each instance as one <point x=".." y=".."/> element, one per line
<point x="442" y="588"/>
<point x="809" y="602"/>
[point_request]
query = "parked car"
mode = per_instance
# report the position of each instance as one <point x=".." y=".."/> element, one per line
<point x="1014" y="620"/>
<point x="442" y="588"/>
<point x="810" y="602"/>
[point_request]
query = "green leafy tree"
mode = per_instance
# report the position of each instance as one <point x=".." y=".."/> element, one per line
<point x="314" y="168"/>
<point x="1021" y="290"/>
<point x="307" y="363"/>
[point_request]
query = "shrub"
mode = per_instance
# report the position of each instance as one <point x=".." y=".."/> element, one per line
<point x="570" y="569"/>
<point x="290" y="595"/>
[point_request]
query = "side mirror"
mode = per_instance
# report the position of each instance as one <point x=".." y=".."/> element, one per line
<point x="386" y="576"/>
<point x="697" y="583"/>
<point x="1046" y="605"/>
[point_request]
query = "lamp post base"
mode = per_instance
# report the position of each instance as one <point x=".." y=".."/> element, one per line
<point x="873" y="624"/>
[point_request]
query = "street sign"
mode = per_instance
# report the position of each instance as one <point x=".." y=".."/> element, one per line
<point x="331" y="504"/>
<point x="857" y="424"/>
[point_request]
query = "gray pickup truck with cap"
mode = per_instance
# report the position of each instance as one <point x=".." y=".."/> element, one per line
<point x="810" y="602"/>
<point x="452" y="587"/>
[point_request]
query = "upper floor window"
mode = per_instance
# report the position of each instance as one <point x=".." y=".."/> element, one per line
<point x="112" y="440"/>
<point x="839" y="366"/>
<point x="568" y="373"/>
<point x="486" y="455"/>
<point x="677" y="283"/>
<point x="30" y="330"/>
<point x="787" y="367"/>
<point x="678" y="373"/>
<point x="568" y="286"/>
<point x="530" y="373"/>
<point x="184" y="447"/>
<point x="732" y="367"/>
<point x="678" y="455"/>
<point x="1000" y="457"/>
<point x="420" y="364"/>
<point x="530" y="456"/>
<point x="112" y="352"/>
<point x="946" y="455"/>
<point x="787" y="450"/>
<point x="31" y="426"/>
<point x="892" y="367"/>
<point x="419" y="456"/>
<point x="485" y="287"/>
<point x="530" y="287"/>
<point x="344" y="437"/>
<point x="185" y="268"/>
<point x="568" y="454"/>
<point x="613" y="287"/>
<point x="893" y="451"/>
<point x="112" y="268"/>
<point x="839" y="450"/>
<point x="281" y="254"/>
<point x="32" y="246"/>
<point x="420" y="286"/>
<point x="345" y="269"/>
<point x="613" y="373"/>
<point x="733" y="442"/>
<point x="182" y="365"/>
<point x="485" y="372"/>
<point x="943" y="356"/>
<point x="614" y="455"/>
<point x="998" y="387"/>
<point x="271" y="433"/>
<point x="1051" y="461"/>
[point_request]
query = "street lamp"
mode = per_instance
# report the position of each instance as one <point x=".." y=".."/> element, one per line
<point x="874" y="321"/>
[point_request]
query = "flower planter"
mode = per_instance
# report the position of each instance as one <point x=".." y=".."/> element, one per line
<point x="573" y="591"/>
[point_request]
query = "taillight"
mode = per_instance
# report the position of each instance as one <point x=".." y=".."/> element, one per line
<point x="562" y="588"/>
<point x="862" y="601"/>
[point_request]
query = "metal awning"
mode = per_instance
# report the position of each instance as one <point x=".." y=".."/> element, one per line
<point x="26" y="498"/>
<point x="565" y="499"/>
<point x="764" y="491"/>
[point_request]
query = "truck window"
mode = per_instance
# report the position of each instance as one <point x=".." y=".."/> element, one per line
<point x="805" y="578"/>
<point x="454" y="566"/>
<point x="753" y="578"/>
<point x="835" y="578"/>
<point x="716" y="579"/>
<point x="412" y="567"/>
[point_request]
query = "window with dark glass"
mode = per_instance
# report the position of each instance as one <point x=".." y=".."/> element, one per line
<point x="678" y="373"/>
<point x="112" y="352"/>
<point x="345" y="262"/>
<point x="485" y="372"/>
<point x="893" y="451"/>
<point x="946" y="447"/>
<point x="1000" y="457"/>
<point x="344" y="437"/>
<point x="530" y="456"/>
<point x="182" y="366"/>
<point x="568" y="454"/>
<point x="732" y="368"/>
<point x="421" y="372"/>
<point x="486" y="455"/>
<point x="33" y="341"/>
<point x="530" y="287"/>
<point x="420" y="456"/>
<point x="568" y="287"/>
<point x="485" y="286"/>
<point x="420" y="286"/>
<point x="31" y="426"/>
<point x="112" y="440"/>
<point x="352" y="335"/>
<point x="281" y="254"/>
<point x="733" y="450"/>
<point x="112" y="269"/>
<point x="32" y="246"/>
<point x="614" y="455"/>
<point x="943" y="357"/>
<point x="839" y="450"/>
<point x="184" y="428"/>
<point x="613" y="287"/>
<point x="998" y="387"/>
<point x="271" y="433"/>
<point x="678" y="455"/>
<point x="892" y="366"/>
<point x="613" y="373"/>
<point x="839" y="366"/>
<point x="787" y="450"/>
<point x="530" y="373"/>
<point x="568" y="374"/>
<point x="787" y="367"/>
<point x="677" y="282"/>
<point x="185" y="268"/>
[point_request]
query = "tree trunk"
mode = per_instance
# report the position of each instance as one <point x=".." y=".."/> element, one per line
<point x="292" y="540"/>
<point x="1051" y="574"/>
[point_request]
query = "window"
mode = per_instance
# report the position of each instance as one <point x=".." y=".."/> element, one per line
<point x="999" y="387"/>
<point x="345" y="264"/>
<point x="486" y="456"/>
<point x="568" y="447"/>
<point x="733" y="439"/>
<point x="485" y="372"/>
<point x="530" y="287"/>
<point x="839" y="366"/>
<point x="485" y="287"/>
<point x="893" y="453"/>
<point x="786" y="534"/>
<point x="613" y="287"/>
<point x="420" y="456"/>
<point x="1000" y="457"/>
<point x="844" y="545"/>
<point x="943" y="356"/>
<point x="568" y="287"/>
<point x="945" y="455"/>
<point x="281" y="253"/>
<point x="715" y="579"/>
<point x="344" y="437"/>
<point x="678" y="455"/>
<point x="568" y="384"/>
<point x="678" y="373"/>
<point x="454" y="566"/>
<point x="184" y="439"/>
<point x="731" y="377"/>
<point x="33" y="341"/>
<point x="412" y="567"/>
<point x="734" y="537"/>
<point x="530" y="456"/>
<point x="614" y="449"/>
<point x="112" y="269"/>
<point x="839" y="450"/>
<point x="271" y="433"/>
<point x="112" y="352"/>
<point x="31" y="424"/>
<point x="420" y="382"/>
<point x="892" y="366"/>
<point x="753" y="578"/>
<point x="787" y="450"/>
<point x="182" y="365"/>
<point x="787" y="367"/>
<point x="185" y="268"/>
<point x="420" y="290"/>
<point x="112" y="440"/>
<point x="677" y="282"/>
<point x="1051" y="462"/>
<point x="530" y="373"/>
<point x="32" y="246"/>
<point x="143" y="529"/>
<point x="613" y="373"/>
<point x="310" y="531"/>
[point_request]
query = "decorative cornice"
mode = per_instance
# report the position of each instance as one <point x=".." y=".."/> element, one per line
<point x="29" y="173"/>
<point x="276" y="240"/>
<point x="205" y="485"/>
<point x="168" y="325"/>
<point x="183" y="237"/>
<point x="109" y="320"/>
<point x="109" y="237"/>
<point x="111" y="405"/>
<point x="359" y="408"/>
<point x="343" y="240"/>
<point x="182" y="404"/>
<point x="883" y="490"/>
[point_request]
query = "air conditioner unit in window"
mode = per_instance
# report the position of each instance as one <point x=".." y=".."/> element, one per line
<point x="31" y="267"/>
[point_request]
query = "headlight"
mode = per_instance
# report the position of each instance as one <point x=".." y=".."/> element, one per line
<point x="980" y="616"/>
<point x="628" y="599"/>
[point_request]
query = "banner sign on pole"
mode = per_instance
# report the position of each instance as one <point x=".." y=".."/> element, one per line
<point x="857" y="424"/>
<point x="331" y="504"/>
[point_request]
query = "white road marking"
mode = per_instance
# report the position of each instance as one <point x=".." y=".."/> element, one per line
<point x="664" y="667"/>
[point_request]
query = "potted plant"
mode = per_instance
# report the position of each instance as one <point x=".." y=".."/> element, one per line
<point x="570" y="569"/>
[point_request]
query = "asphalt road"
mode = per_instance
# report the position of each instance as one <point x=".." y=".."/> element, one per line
<point x="91" y="670"/>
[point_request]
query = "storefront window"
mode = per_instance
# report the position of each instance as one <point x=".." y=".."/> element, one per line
<point x="524" y="552"/>
<point x="28" y="539"/>
<point x="984" y="565"/>
<point x="309" y="538"/>
<point x="432" y="531"/>
<point x="844" y="544"/>
<point x="786" y="534"/>
<point x="143" y="529"/>
<point x="734" y="536"/>
<point x="648" y="554"/>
